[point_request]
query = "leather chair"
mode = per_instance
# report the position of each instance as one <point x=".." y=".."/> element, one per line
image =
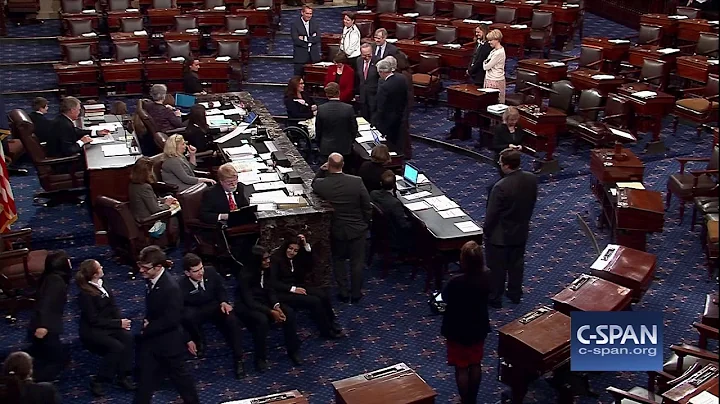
<point x="71" y="6"/>
<point x="78" y="53"/>
<point x="689" y="12"/>
<point x="590" y="58"/>
<point x="562" y="97"/>
<point x="160" y="139"/>
<point x="28" y="9"/>
<point x="445" y="35"/>
<point x="234" y="51"/>
<point x="178" y="48"/>
<point x="405" y="30"/>
<point x="588" y="107"/>
<point x="62" y="178"/>
<point x="131" y="24"/>
<point x="333" y="50"/>
<point x="692" y="184"/>
<point x="196" y="231"/>
<point x="523" y="91"/>
<point x="505" y="15"/>
<point x="366" y="28"/>
<point x="379" y="239"/>
<point x="162" y="4"/>
<point x="698" y="105"/>
<point x="425" y="8"/>
<point x="707" y="45"/>
<point x="706" y="205"/>
<point x="235" y="22"/>
<point x="615" y="115"/>
<point x="653" y="72"/>
<point x="185" y="22"/>
<point x="118" y="5"/>
<point x="20" y="269"/>
<point x="127" y="50"/>
<point x="462" y="11"/>
<point x="648" y="35"/>
<point x="79" y="26"/>
<point x="541" y="31"/>
<point x="426" y="79"/>
<point x="711" y="312"/>
<point x="711" y="245"/>
<point x="210" y="4"/>
<point x="386" y="6"/>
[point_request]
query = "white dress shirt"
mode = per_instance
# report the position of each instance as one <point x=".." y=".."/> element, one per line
<point x="200" y="283"/>
<point x="154" y="280"/>
<point x="99" y="284"/>
<point x="229" y="195"/>
<point x="307" y="30"/>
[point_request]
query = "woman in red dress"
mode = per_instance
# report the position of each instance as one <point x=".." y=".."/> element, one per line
<point x="466" y="322"/>
<point x="342" y="74"/>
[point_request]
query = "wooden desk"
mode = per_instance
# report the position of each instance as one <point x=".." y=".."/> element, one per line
<point x="543" y="128"/>
<point x="584" y="79"/>
<point x="590" y="293"/>
<point x="128" y="75"/>
<point x="546" y="74"/>
<point x="367" y="15"/>
<point x="114" y="17"/>
<point x="628" y="267"/>
<point x="192" y="37"/>
<point x="243" y="38"/>
<point x="456" y="60"/>
<point x="531" y="346"/>
<point x="706" y="379"/>
<point x="412" y="49"/>
<point x="388" y="20"/>
<point x="607" y="166"/>
<point x="669" y="26"/>
<point x="91" y="41"/>
<point x="209" y="18"/>
<point x="91" y="15"/>
<point x="215" y="71"/>
<point x="690" y="29"/>
<point x="469" y="103"/>
<point x="426" y="24"/>
<point x="315" y="77"/>
<point x="327" y="39"/>
<point x="638" y="54"/>
<point x="288" y="397"/>
<point x="165" y="71"/>
<point x="524" y="9"/>
<point x="565" y="18"/>
<point x="483" y="7"/>
<point x="631" y="214"/>
<point x="396" y="384"/>
<point x="259" y="21"/>
<point x="466" y="30"/>
<point x="612" y="51"/>
<point x="82" y="79"/>
<point x="648" y="112"/>
<point x="514" y="39"/>
<point x="160" y="19"/>
<point x="695" y="68"/>
<point x="126" y="37"/>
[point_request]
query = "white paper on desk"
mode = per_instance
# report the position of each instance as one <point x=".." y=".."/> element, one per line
<point x="244" y="150"/>
<point x="486" y="22"/>
<point x="240" y="32"/>
<point x="219" y="8"/>
<point x="140" y="33"/>
<point x="533" y="2"/>
<point x="554" y="64"/>
<point x="418" y="206"/>
<point x="705" y="397"/>
<point x="518" y="26"/>
<point x="452" y="45"/>
<point x="451" y="213"/>
<point x="177" y="59"/>
<point x="603" y="77"/>
<point x="606" y="256"/>
<point x="363" y="12"/>
<point x="467" y="227"/>
<point x="571" y="5"/>
<point x="113" y="150"/>
<point x="295" y="189"/>
<point x="714" y="22"/>
<point x="269" y="177"/>
<point x="89" y="35"/>
<point x="222" y="58"/>
<point x="644" y="94"/>
<point x="264" y="207"/>
<point x="283" y="170"/>
<point x="89" y="11"/>
<point x="489" y="90"/>
<point x="471" y="21"/>
<point x="422" y="179"/>
<point x="633" y="185"/>
<point x="248" y="177"/>
<point x="271" y="146"/>
<point x="323" y="64"/>
<point x="132" y="10"/>
<point x="364" y="127"/>
<point x="213" y="111"/>
<point x="131" y="60"/>
<point x="713" y="61"/>
<point x="233" y="111"/>
<point x="417" y="195"/>
<point x="262" y="8"/>
<point x="192" y="30"/>
<point x="267" y="186"/>
<point x="229" y="136"/>
<point x="429" y="43"/>
<point x="441" y="202"/>
<point x="102" y="140"/>
<point x="411" y="15"/>
<point x="613" y="191"/>
<point x="392" y="153"/>
<point x="248" y="165"/>
<point x="619" y="41"/>
<point x="623" y="134"/>
<point x="112" y="126"/>
<point x="391" y="40"/>
<point x="277" y="197"/>
<point x="209" y="105"/>
<point x="218" y="121"/>
<point x="265" y="156"/>
<point x="666" y="51"/>
<point x="367" y="136"/>
<point x="85" y="62"/>
<point x="361" y="121"/>
<point x="678" y="17"/>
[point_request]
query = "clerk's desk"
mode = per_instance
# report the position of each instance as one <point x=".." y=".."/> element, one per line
<point x="288" y="397"/>
<point x="363" y="146"/>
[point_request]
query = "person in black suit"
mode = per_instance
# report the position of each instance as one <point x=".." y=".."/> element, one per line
<point x="162" y="341"/>
<point x="66" y="138"/>
<point x="482" y="50"/>
<point x="306" y="40"/>
<point x="394" y="212"/>
<point x="197" y="132"/>
<point x="382" y="48"/>
<point x="103" y="330"/>
<point x="289" y="267"/>
<point x="40" y="107"/>
<point x="352" y="213"/>
<point x="371" y="171"/>
<point x="335" y="124"/>
<point x="46" y="323"/>
<point x="466" y="322"/>
<point x="17" y="385"/>
<point x="206" y="300"/>
<point x="507" y="224"/>
<point x="391" y="103"/>
<point x="257" y="306"/>
<point x="367" y="82"/>
<point x="191" y="80"/>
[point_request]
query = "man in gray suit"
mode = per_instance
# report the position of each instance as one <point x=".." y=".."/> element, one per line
<point x="335" y="124"/>
<point x="351" y="219"/>
<point x="507" y="225"/>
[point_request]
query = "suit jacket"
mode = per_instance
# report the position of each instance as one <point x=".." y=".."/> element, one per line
<point x="42" y="126"/>
<point x="475" y="70"/>
<point x="98" y="311"/>
<point x="163" y="117"/>
<point x="214" y="293"/>
<point x="301" y="52"/>
<point x="33" y="393"/>
<point x="284" y="275"/>
<point x="215" y="202"/>
<point x="510" y="207"/>
<point x="252" y="294"/>
<point x="371" y="173"/>
<point x="502" y="137"/>
<point x="198" y="137"/>
<point x="191" y="83"/>
<point x="394" y="213"/>
<point x="50" y="305"/>
<point x="390" y="50"/>
<point x="298" y="111"/>
<point x="350" y="201"/>
<point x="347" y="81"/>
<point x="335" y="127"/>
<point x="143" y="201"/>
<point x="63" y="140"/>
<point x="163" y="311"/>
<point x="366" y="88"/>
<point x="392" y="97"/>
<point x="466" y="320"/>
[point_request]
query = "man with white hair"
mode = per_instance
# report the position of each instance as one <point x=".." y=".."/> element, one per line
<point x="392" y="99"/>
<point x="382" y="48"/>
<point x="165" y="117"/>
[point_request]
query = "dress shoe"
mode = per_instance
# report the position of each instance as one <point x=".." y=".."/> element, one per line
<point x="343" y="299"/>
<point x="356" y="299"/>
<point x="96" y="387"/>
<point x="295" y="359"/>
<point x="496" y="304"/>
<point x="240" y="370"/>
<point x="333" y="334"/>
<point x="126" y="383"/>
<point x="261" y="365"/>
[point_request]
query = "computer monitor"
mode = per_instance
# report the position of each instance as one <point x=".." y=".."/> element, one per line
<point x="250" y="118"/>
<point x="410" y="174"/>
<point x="184" y="100"/>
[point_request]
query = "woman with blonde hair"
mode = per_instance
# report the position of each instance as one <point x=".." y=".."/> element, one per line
<point x="177" y="169"/>
<point x="494" y="64"/>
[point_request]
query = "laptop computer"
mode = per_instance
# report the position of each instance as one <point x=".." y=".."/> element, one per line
<point x="244" y="215"/>
<point x="250" y="118"/>
<point x="184" y="101"/>
<point x="368" y="146"/>
<point x="409" y="178"/>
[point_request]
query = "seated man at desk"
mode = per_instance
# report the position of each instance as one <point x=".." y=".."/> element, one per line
<point x="67" y="138"/>
<point x="166" y="117"/>
<point x="335" y="124"/>
<point x="393" y="211"/>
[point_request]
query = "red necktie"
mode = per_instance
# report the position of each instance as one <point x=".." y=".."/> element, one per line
<point x="365" y="69"/>
<point x="231" y="202"/>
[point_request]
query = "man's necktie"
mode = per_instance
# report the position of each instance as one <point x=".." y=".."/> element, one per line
<point x="200" y="287"/>
<point x="379" y="51"/>
<point x="148" y="284"/>
<point x="365" y="69"/>
<point x="231" y="202"/>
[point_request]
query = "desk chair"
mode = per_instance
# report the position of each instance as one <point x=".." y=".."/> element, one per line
<point x="23" y="11"/>
<point x="707" y="45"/>
<point x="20" y="268"/>
<point x="692" y="184"/>
<point x="366" y="28"/>
<point x="13" y="150"/>
<point x="462" y="11"/>
<point x="233" y="49"/>
<point x="705" y="205"/>
<point x="405" y="30"/>
<point x="615" y="115"/>
<point x="210" y="4"/>
<point x="689" y="12"/>
<point x="379" y="239"/>
<point x="647" y="35"/>
<point x="300" y="137"/>
<point x="426" y="81"/>
<point x="541" y="32"/>
<point x="425" y="8"/>
<point x="523" y="92"/>
<point x="131" y="24"/>
<point x="699" y="105"/>
<point x="386" y="6"/>
<point x="505" y="15"/>
<point x="590" y="103"/>
<point x="590" y="58"/>
<point x="178" y="48"/>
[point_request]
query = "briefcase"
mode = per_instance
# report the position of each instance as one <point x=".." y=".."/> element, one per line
<point x="538" y="342"/>
<point x="631" y="268"/>
<point x="590" y="293"/>
<point x="397" y="384"/>
<point x="288" y="397"/>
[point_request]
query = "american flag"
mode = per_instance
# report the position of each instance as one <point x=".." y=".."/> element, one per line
<point x="8" y="210"/>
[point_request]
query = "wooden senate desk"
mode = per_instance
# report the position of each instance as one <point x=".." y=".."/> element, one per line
<point x="638" y="54"/>
<point x="367" y="15"/>
<point x="125" y="37"/>
<point x="469" y="103"/>
<point x="628" y="267"/>
<point x="215" y="71"/>
<point x="466" y="28"/>
<point x="86" y="39"/>
<point x="78" y="78"/>
<point x="632" y="214"/>
<point x="514" y="38"/>
<point x="609" y="166"/>
<point x="613" y="51"/>
<point x="327" y="39"/>
<point x="455" y="59"/>
<point x="696" y="68"/>
<point x="127" y="74"/>
<point x="586" y="79"/>
<point x="209" y="17"/>
<point x="590" y="293"/>
<point x="704" y="380"/>
<point x="190" y="36"/>
<point x="114" y="17"/>
<point x="315" y="76"/>
<point x="531" y="346"/>
<point x="259" y="21"/>
<point x="288" y="397"/>
<point x="426" y="24"/>
<point x="162" y="18"/>
<point x="165" y="71"/>
<point x="689" y="30"/>
<point x="669" y="26"/>
<point x="543" y="127"/>
<point x="547" y="73"/>
<point x="648" y="112"/>
<point x="564" y="18"/>
<point x="88" y="14"/>
<point x="397" y="384"/>
<point x="413" y="48"/>
<point x="389" y="20"/>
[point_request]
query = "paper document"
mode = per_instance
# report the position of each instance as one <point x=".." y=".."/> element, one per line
<point x="391" y="40"/>
<point x="192" y="30"/>
<point x="240" y="32"/>
<point x="175" y="208"/>
<point x="518" y="26"/>
<point x="361" y="121"/>
<point x="678" y="17"/>
<point x="245" y="166"/>
<point x="429" y="43"/>
<point x="422" y="179"/>
<point x="452" y="45"/>
<point x="102" y="140"/>
<point x="89" y="35"/>
<point x="234" y="111"/>
<point x="222" y="58"/>
<point x="665" y="51"/>
<point x="714" y="22"/>
<point x="213" y="111"/>
<point x="267" y="186"/>
<point x="450" y="213"/>
<point x="177" y="59"/>
<point x="242" y="150"/>
<point x="571" y="5"/>
<point x="471" y="21"/>
<point x="228" y="136"/>
<point x="323" y="64"/>
<point x="490" y="90"/>
<point x="131" y="60"/>
<point x="219" y="8"/>
<point x="248" y="178"/>
<point x="262" y="8"/>
<point x="264" y="207"/>
<point x="645" y="94"/>
<point x="295" y="189"/>
<point x="113" y="150"/>
<point x="613" y="191"/>
<point x="277" y="197"/>
<point x="605" y="257"/>
<point x="140" y="33"/>
<point x="132" y="10"/>
<point x="411" y="15"/>
<point x="619" y="41"/>
<point x="283" y="170"/>
<point x="705" y="397"/>
<point x="85" y="62"/>
<point x="271" y="146"/>
<point x="209" y="105"/>
<point x="364" y="127"/>
<point x="418" y="206"/>
<point x="364" y="11"/>
<point x="269" y="177"/>
<point x="554" y="64"/>
<point x="417" y="195"/>
<point x="367" y="136"/>
<point x="467" y="227"/>
<point x="486" y="22"/>
<point x="441" y="202"/>
<point x="265" y="156"/>
<point x="622" y="134"/>
<point x="633" y="185"/>
<point x="603" y="77"/>
<point x="533" y="2"/>
<point x="712" y="61"/>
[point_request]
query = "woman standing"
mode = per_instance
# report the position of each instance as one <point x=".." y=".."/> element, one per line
<point x="350" y="40"/>
<point x="299" y="105"/>
<point x="494" y="64"/>
<point x="102" y="330"/>
<point x="18" y="385"/>
<point x="178" y="170"/>
<point x="465" y="322"/>
<point x="343" y="75"/>
<point x="191" y="80"/>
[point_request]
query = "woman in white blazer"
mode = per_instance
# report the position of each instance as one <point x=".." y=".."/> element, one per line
<point x="350" y="40"/>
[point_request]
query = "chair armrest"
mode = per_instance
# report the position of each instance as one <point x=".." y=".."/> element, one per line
<point x="706" y="332"/>
<point x="607" y="117"/>
<point x="652" y="78"/>
<point x="620" y="395"/>
<point x="691" y="90"/>
<point x="206" y="153"/>
<point x="569" y="59"/>
<point x="698" y="173"/>
<point x="174" y="131"/>
<point x="16" y="233"/>
<point x="14" y="254"/>
<point x="150" y="220"/>
<point x="597" y="62"/>
<point x="689" y="159"/>
<point x="684" y="47"/>
<point x="712" y="97"/>
<point x="204" y="174"/>
<point x="700" y="353"/>
<point x="164" y="188"/>
<point x="707" y="52"/>
<point x="434" y="71"/>
<point x="591" y="109"/>
<point x="59" y="160"/>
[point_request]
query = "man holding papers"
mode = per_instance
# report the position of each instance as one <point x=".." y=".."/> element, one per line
<point x="507" y="224"/>
<point x="223" y="198"/>
<point x="68" y="139"/>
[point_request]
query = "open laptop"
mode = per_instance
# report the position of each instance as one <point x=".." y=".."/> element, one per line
<point x="184" y="101"/>
<point x="368" y="146"/>
<point x="410" y="177"/>
<point x="244" y="215"/>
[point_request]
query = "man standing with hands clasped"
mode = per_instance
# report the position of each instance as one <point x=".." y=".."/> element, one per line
<point x="306" y="40"/>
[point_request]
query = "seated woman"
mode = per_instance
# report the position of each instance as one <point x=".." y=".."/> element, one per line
<point x="289" y="266"/>
<point x="143" y="200"/>
<point x="102" y="329"/>
<point x="508" y="134"/>
<point x="17" y="385"/>
<point x="342" y="74"/>
<point x="371" y="171"/>
<point x="191" y="80"/>
<point x="166" y="118"/>
<point x="178" y="170"/>
<point x="300" y="105"/>
<point x="198" y="132"/>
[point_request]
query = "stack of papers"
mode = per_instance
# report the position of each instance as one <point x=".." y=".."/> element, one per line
<point x="519" y="26"/>
<point x="263" y="8"/>
<point x="486" y="22"/>
<point x="85" y="62"/>
<point x="554" y="64"/>
<point x="244" y="166"/>
<point x="364" y="11"/>
<point x="429" y="43"/>
<point x="240" y="32"/>
<point x="267" y="186"/>
<point x="323" y="64"/>
<point x="678" y="17"/>
<point x="392" y="40"/>
<point x="633" y="185"/>
<point x="645" y="94"/>
<point x="411" y="15"/>
<point x="497" y="108"/>
<point x="295" y="189"/>
<point x="603" y="77"/>
<point x="140" y="33"/>
<point x="452" y="45"/>
<point x="571" y="5"/>
<point x="489" y="90"/>
<point x="222" y="58"/>
<point x="666" y="51"/>
<point x="367" y="136"/>
<point x="705" y="397"/>
<point x="131" y="60"/>
<point x="415" y="206"/>
<point x="244" y="150"/>
<point x="178" y="59"/>
<point x="248" y="177"/>
<point x="89" y="11"/>
<point x="132" y="10"/>
<point x="441" y="203"/>
<point x="619" y="41"/>
<point x="113" y="150"/>
<point x="471" y="21"/>
<point x="417" y="195"/>
<point x="713" y="61"/>
<point x="451" y="213"/>
<point x="192" y="30"/>
<point x="219" y="8"/>
<point x="467" y="227"/>
<point x="101" y="140"/>
<point x="89" y="34"/>
<point x="276" y="197"/>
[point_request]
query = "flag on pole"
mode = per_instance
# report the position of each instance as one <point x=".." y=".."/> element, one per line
<point x="8" y="210"/>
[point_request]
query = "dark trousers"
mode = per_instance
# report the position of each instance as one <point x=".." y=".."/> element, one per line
<point x="49" y="357"/>
<point x="368" y="107"/>
<point x="154" y="366"/>
<point x="299" y="69"/>
<point x="259" y="325"/>
<point x="316" y="302"/>
<point x="116" y="349"/>
<point x="354" y="250"/>
<point x="506" y="263"/>
<point x="195" y="316"/>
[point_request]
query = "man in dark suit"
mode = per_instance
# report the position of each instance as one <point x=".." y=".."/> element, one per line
<point x="67" y="139"/>
<point x="392" y="97"/>
<point x="257" y="306"/>
<point x="382" y="47"/>
<point x="306" y="40"/>
<point x="367" y="82"/>
<point x="162" y="342"/>
<point x="393" y="211"/>
<point x="507" y="224"/>
<point x="351" y="218"/>
<point x="206" y="300"/>
<point x="40" y="107"/>
<point x="482" y="50"/>
<point x="335" y="124"/>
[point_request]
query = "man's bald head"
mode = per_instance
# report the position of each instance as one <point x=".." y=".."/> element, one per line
<point x="335" y="162"/>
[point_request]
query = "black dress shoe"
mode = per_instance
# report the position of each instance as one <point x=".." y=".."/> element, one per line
<point x="96" y="387"/>
<point x="343" y="299"/>
<point x="240" y="370"/>
<point x="295" y="359"/>
<point x="336" y="327"/>
<point x="515" y="300"/>
<point x="126" y="383"/>
<point x="261" y="365"/>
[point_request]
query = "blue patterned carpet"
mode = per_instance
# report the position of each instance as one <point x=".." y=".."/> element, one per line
<point x="392" y="324"/>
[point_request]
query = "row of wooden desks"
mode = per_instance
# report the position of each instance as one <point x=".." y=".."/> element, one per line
<point x="676" y="27"/>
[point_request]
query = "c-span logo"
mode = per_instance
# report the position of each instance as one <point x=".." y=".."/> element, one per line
<point x="616" y="341"/>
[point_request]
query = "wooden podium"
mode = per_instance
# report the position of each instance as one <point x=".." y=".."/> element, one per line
<point x="590" y="293"/>
<point x="397" y="384"/>
<point x="288" y="397"/>
<point x="627" y="267"/>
